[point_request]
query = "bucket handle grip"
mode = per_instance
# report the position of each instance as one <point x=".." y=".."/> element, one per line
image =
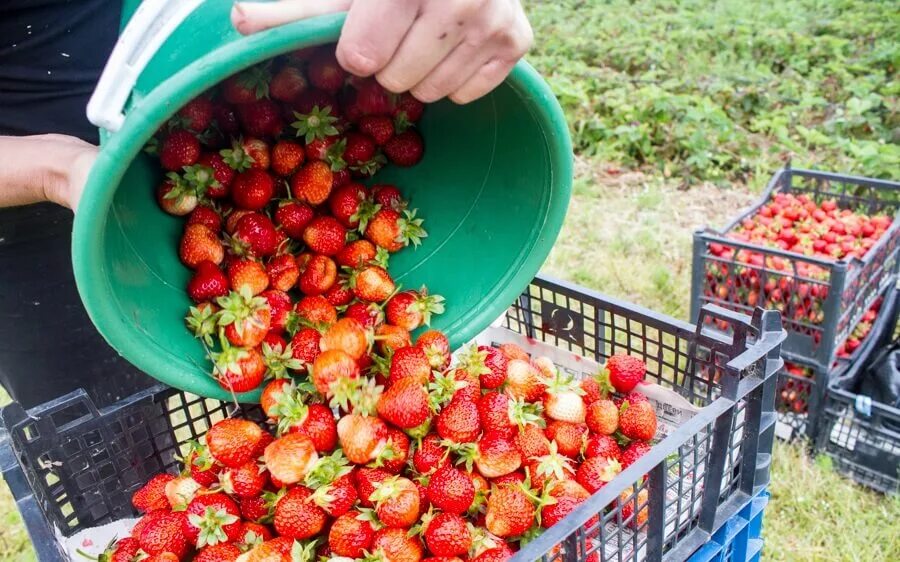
<point x="153" y="22"/>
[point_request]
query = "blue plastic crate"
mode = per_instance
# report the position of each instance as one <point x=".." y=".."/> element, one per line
<point x="740" y="538"/>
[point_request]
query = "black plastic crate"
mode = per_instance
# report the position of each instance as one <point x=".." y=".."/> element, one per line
<point x="820" y="300"/>
<point x="71" y="466"/>
<point x="861" y="435"/>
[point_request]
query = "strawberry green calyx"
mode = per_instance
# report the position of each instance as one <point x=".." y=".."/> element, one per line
<point x="420" y="431"/>
<point x="441" y="389"/>
<point x="238" y="307"/>
<point x="152" y="146"/>
<point x="553" y="464"/>
<point x="359" y="395"/>
<point x="523" y="413"/>
<point x="326" y="470"/>
<point x="562" y="382"/>
<point x="203" y="322"/>
<point x="295" y="323"/>
<point x="256" y="78"/>
<point x="401" y="122"/>
<point x="198" y="456"/>
<point x="368" y="514"/>
<point x="472" y="360"/>
<point x="304" y="551"/>
<point x="211" y="525"/>
<point x="271" y="499"/>
<point x="385" y="490"/>
<point x="376" y="555"/>
<point x="427" y="305"/>
<point x="364" y="213"/>
<point x="278" y="361"/>
<point x="424" y="521"/>
<point x="411" y="231"/>
<point x="466" y="453"/>
<point x="334" y="155"/>
<point x="315" y="125"/>
<point x="252" y="539"/>
<point x="200" y="178"/>
<point x="236" y="157"/>
<point x="606" y="387"/>
<point x="388" y="453"/>
<point x="228" y="359"/>
<point x="381" y="257"/>
<point x="481" y="540"/>
<point x="371" y="166"/>
<point x="290" y="409"/>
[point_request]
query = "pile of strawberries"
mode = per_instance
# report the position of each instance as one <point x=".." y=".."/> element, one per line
<point x="427" y="462"/>
<point x="793" y="223"/>
<point x="282" y="237"/>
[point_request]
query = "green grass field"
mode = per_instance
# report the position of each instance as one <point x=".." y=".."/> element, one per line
<point x="679" y="112"/>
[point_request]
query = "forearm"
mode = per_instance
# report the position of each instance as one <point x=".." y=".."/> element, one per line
<point x="43" y="168"/>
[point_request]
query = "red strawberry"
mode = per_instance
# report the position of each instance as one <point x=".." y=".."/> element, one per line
<point x="199" y="244"/>
<point x="305" y="345"/>
<point x="290" y="457"/>
<point x="602" y="417"/>
<point x="405" y="149"/>
<point x="637" y="421"/>
<point x="601" y="446"/>
<point x="288" y="84"/>
<point x="447" y="534"/>
<point x="325" y="235"/>
<point x="497" y="455"/>
<point x="246" y="320"/>
<point x="396" y="502"/>
<point x="207" y="216"/>
<point x="410" y="363"/>
<point x="629" y="501"/>
<point x="388" y="196"/>
<point x="379" y="127"/>
<point x="596" y="472"/>
<point x="261" y="118"/>
<point x="360" y="148"/>
<point x="218" y="553"/>
<point x="391" y="337"/>
<point x="367" y="314"/>
<point x="247" y="86"/>
<point x="283" y="272"/>
<point x="348" y="204"/>
<point x="347" y="335"/>
<point x="405" y="404"/>
<point x="451" y="490"/>
<point x="356" y="253"/>
<point x="318" y="425"/>
<point x="408" y="108"/>
<point x="411" y="309"/>
<point x="366" y="481"/>
<point x="179" y="149"/>
<point x="350" y="535"/>
<point x="392" y="231"/>
<point x="253" y="533"/>
<point x="330" y="367"/>
<point x="207" y="283"/>
<point x="570" y="437"/>
<point x="567" y="495"/>
<point x="430" y="454"/>
<point x="396" y="453"/>
<point x="255" y="235"/>
<point x="252" y="189"/>
<point x="362" y="437"/>
<point x="625" y="372"/>
<point x="293" y="216"/>
<point x="372" y="284"/>
<point x="337" y="497"/>
<point x="312" y="183"/>
<point x="212" y="519"/>
<point x="523" y="380"/>
<point x="122" y="550"/>
<point x="232" y="441"/>
<point x="339" y="294"/>
<point x="436" y="347"/>
<point x="152" y="495"/>
<point x="287" y="157"/>
<point x="397" y="546"/>
<point x="238" y="369"/>
<point x="316" y="309"/>
<point x="634" y="451"/>
<point x="317" y="275"/>
<point x="458" y="421"/>
<point x="509" y="511"/>
<point x="163" y="533"/>
<point x="493" y="413"/>
<point x="298" y="518"/>
<point x="248" y="275"/>
<point x="245" y="481"/>
<point x="197" y="114"/>
<point x="324" y="71"/>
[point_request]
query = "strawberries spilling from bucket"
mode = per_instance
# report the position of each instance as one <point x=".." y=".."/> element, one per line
<point x="457" y="465"/>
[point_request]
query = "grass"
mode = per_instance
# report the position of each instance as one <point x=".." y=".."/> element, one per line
<point x="662" y="95"/>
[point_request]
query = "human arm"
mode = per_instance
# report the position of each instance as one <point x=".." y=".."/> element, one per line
<point x="461" y="49"/>
<point x="43" y="168"/>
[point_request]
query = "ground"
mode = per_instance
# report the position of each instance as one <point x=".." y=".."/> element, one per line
<point x="680" y="110"/>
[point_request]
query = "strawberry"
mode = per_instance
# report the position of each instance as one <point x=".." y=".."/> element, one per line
<point x="199" y="244"/>
<point x="599" y="445"/>
<point x="218" y="553"/>
<point x="258" y="152"/>
<point x="408" y="108"/>
<point x="411" y="309"/>
<point x="546" y="469"/>
<point x="238" y="369"/>
<point x="253" y="533"/>
<point x="458" y="421"/>
<point x="252" y="189"/>
<point x="246" y="319"/>
<point x="330" y="367"/>
<point x="569" y="437"/>
<point x="409" y="363"/>
<point x="207" y="283"/>
<point x="272" y="395"/>
<point x="493" y="413"/>
<point x="164" y="557"/>
<point x="388" y="197"/>
<point x="567" y="495"/>
<point x="211" y="519"/>
<point x="436" y="347"/>
<point x="628" y="500"/>
<point x="179" y="149"/>
<point x="287" y="84"/>
<point x="232" y="217"/>
<point x="247" y="86"/>
<point x="121" y="550"/>
<point x="350" y="535"/>
<point x="339" y="294"/>
<point x="634" y="451"/>
<point x="207" y="216"/>
<point x="324" y="71"/>
<point x="318" y="425"/>
<point x="497" y="455"/>
<point x="470" y="387"/>
<point x="405" y="404"/>
<point x="254" y="235"/>
<point x="602" y="417"/>
<point x="451" y="490"/>
<point x="298" y="518"/>
<point x="562" y="398"/>
<point x="347" y="335"/>
<point x="397" y="546"/>
<point x="405" y="149"/>
<point x="180" y="491"/>
<point x="305" y="345"/>
<point x="290" y="457"/>
<point x="367" y="314"/>
<point x="447" y="534"/>
<point x="317" y="275"/>
<point x="245" y="481"/>
<point x="532" y="441"/>
<point x="238" y="159"/>
<point x="494" y="555"/>
<point x="232" y="441"/>
<point x="396" y="453"/>
<point x="378" y="127"/>
<point x="637" y="421"/>
<point x="247" y="275"/>
<point x="509" y="511"/>
<point x="283" y="273"/>
<point x="366" y="481"/>
<point x="287" y="157"/>
<point x="360" y="148"/>
<point x="348" y="204"/>
<point x="163" y="534"/>
<point x="261" y="118"/>
<point x="513" y="351"/>
<point x="316" y="310"/>
<point x="200" y="464"/>
<point x="325" y="235"/>
<point x="372" y="283"/>
<point x="337" y="497"/>
<point x="523" y="380"/>
<point x="176" y="196"/>
<point x="391" y="337"/>
<point x="362" y="437"/>
<point x="396" y="502"/>
<point x="355" y="254"/>
<point x="596" y="472"/>
<point x="393" y="231"/>
<point x="152" y="495"/>
<point x="293" y="216"/>
<point x="624" y="372"/>
<point x="312" y="183"/>
<point x="592" y="391"/>
<point x="196" y="115"/>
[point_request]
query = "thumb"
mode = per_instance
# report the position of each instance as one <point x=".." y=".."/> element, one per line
<point x="251" y="17"/>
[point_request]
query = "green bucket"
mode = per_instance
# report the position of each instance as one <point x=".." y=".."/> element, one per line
<point x="493" y="188"/>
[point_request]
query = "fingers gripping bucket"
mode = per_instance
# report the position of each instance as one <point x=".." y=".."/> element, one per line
<point x="493" y="188"/>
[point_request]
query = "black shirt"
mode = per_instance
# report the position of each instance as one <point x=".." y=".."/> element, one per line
<point x="51" y="55"/>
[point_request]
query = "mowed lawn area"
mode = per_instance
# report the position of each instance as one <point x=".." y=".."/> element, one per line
<point x="680" y="111"/>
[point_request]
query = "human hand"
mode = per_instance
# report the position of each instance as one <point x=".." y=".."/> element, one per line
<point x="433" y="48"/>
